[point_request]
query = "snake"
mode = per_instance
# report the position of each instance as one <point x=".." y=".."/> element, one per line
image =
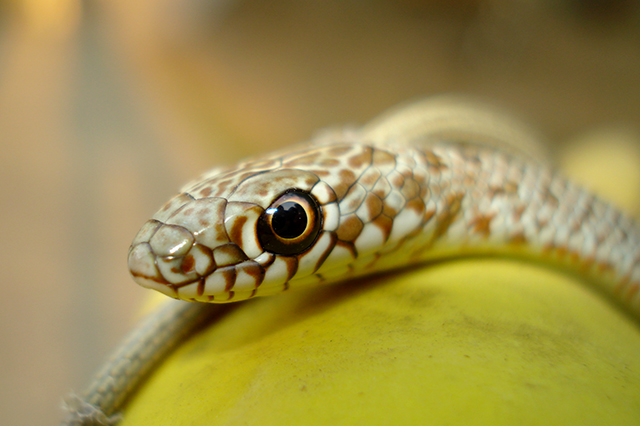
<point x="443" y="177"/>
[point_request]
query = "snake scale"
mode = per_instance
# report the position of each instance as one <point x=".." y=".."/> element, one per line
<point x="442" y="177"/>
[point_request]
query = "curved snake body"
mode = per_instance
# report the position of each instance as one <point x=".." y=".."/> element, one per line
<point x="398" y="192"/>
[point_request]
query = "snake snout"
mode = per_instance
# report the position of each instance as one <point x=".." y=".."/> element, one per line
<point x="165" y="257"/>
<point x="168" y="258"/>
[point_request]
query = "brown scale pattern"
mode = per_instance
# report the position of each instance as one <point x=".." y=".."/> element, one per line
<point x="462" y="194"/>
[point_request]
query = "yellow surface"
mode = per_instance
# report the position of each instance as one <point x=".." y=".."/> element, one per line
<point x="476" y="341"/>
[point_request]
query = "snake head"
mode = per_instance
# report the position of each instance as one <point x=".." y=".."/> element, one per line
<point x="315" y="216"/>
<point x="236" y="235"/>
<point x="212" y="249"/>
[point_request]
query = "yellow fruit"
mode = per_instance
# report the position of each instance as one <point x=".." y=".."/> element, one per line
<point x="475" y="341"/>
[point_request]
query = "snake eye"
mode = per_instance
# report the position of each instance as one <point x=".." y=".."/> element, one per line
<point x="290" y="224"/>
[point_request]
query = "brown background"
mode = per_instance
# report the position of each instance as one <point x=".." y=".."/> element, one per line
<point x="106" y="107"/>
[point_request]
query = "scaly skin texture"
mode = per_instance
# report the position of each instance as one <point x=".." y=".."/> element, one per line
<point x="383" y="207"/>
<point x="394" y="194"/>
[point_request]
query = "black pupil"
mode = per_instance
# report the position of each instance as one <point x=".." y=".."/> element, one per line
<point x="289" y="220"/>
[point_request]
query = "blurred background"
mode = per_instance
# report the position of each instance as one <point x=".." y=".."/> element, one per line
<point x="108" y="106"/>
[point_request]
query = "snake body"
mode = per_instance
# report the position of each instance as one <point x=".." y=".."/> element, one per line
<point x="434" y="180"/>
